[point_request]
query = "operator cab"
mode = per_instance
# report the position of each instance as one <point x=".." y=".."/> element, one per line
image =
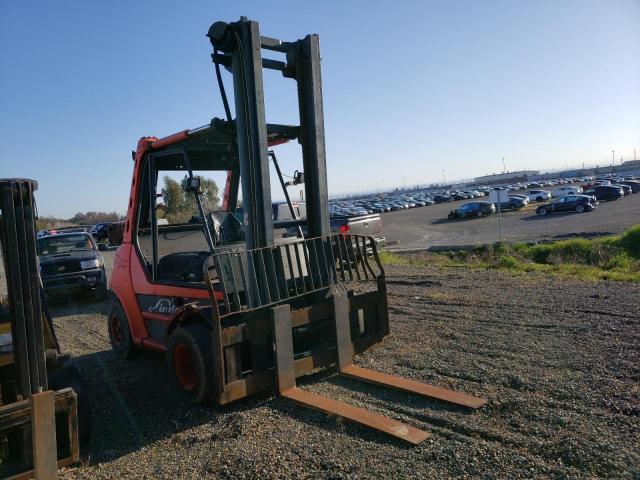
<point x="182" y="216"/>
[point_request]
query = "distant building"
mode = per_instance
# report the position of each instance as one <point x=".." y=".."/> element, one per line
<point x="508" y="177"/>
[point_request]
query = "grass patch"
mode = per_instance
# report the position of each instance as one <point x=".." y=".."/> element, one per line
<point x="605" y="258"/>
<point x="389" y="258"/>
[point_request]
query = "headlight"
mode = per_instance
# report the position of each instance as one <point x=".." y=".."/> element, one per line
<point x="87" y="264"/>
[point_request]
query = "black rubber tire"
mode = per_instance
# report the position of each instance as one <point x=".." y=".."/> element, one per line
<point x="542" y="211"/>
<point x="70" y="377"/>
<point x="580" y="208"/>
<point x="121" y="340"/>
<point x="196" y="339"/>
<point x="479" y="214"/>
<point x="512" y="208"/>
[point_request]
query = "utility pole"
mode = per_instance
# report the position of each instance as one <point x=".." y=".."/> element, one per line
<point x="634" y="153"/>
<point x="444" y="182"/>
<point x="613" y="157"/>
<point x="504" y="168"/>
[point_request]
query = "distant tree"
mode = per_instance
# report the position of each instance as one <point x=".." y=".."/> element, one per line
<point x="209" y="195"/>
<point x="90" y="218"/>
<point x="180" y="206"/>
<point x="49" y="222"/>
<point x="173" y="197"/>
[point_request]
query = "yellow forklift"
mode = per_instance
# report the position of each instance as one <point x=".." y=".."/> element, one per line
<point x="44" y="414"/>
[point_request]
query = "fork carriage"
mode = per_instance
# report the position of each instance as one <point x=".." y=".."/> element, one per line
<point x="306" y="275"/>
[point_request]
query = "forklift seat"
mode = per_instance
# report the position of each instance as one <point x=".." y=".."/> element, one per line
<point x="226" y="228"/>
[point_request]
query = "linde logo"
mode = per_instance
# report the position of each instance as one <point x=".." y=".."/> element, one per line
<point x="164" y="305"/>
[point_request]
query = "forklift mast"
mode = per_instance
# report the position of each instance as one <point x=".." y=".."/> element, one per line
<point x="238" y="47"/>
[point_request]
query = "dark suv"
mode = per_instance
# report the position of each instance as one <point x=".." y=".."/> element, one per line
<point x="605" y="192"/>
<point x="473" y="209"/>
<point x="568" y="203"/>
<point x="71" y="262"/>
<point x="100" y="232"/>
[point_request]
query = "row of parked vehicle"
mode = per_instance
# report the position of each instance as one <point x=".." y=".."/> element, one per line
<point x="420" y="198"/>
<point x="564" y="199"/>
<point x="401" y="201"/>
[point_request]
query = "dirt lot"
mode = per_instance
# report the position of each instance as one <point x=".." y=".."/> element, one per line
<point x="428" y="226"/>
<point x="558" y="360"/>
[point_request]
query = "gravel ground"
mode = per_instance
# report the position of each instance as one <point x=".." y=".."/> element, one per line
<point x="558" y="360"/>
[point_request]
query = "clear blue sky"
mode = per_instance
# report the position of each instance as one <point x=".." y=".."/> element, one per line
<point x="410" y="88"/>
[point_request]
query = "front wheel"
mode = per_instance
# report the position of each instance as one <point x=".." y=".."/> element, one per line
<point x="190" y="362"/>
<point x="542" y="211"/>
<point x="479" y="213"/>
<point x="580" y="209"/>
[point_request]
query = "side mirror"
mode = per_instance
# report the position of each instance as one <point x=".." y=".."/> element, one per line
<point x="192" y="184"/>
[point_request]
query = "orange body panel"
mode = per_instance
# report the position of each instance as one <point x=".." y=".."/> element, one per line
<point x="129" y="277"/>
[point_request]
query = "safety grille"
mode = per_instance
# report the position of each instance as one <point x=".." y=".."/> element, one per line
<point x="257" y="278"/>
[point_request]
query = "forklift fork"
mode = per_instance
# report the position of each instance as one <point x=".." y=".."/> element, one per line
<point x="286" y="380"/>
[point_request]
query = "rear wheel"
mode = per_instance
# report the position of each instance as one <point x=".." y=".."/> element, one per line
<point x="119" y="331"/>
<point x="190" y="362"/>
<point x="580" y="208"/>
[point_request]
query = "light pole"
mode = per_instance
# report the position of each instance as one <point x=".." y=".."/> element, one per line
<point x="504" y="168"/>
<point x="444" y="182"/>
<point x="613" y="157"/>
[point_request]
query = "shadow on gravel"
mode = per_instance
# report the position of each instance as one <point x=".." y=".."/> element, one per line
<point x="134" y="405"/>
<point x="80" y="303"/>
<point x="547" y="217"/>
<point x="445" y="221"/>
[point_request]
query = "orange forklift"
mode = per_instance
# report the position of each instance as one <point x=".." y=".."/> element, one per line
<point x="242" y="303"/>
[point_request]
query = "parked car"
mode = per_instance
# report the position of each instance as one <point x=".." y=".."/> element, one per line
<point x="71" y="262"/>
<point x="605" y="192"/>
<point x="634" y="184"/>
<point x="513" y="204"/>
<point x="625" y="188"/>
<point x="568" y="203"/>
<point x="524" y="198"/>
<point x="539" y="195"/>
<point x="442" y="198"/>
<point x="562" y="191"/>
<point x="367" y="225"/>
<point x="100" y="232"/>
<point x="473" y="209"/>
